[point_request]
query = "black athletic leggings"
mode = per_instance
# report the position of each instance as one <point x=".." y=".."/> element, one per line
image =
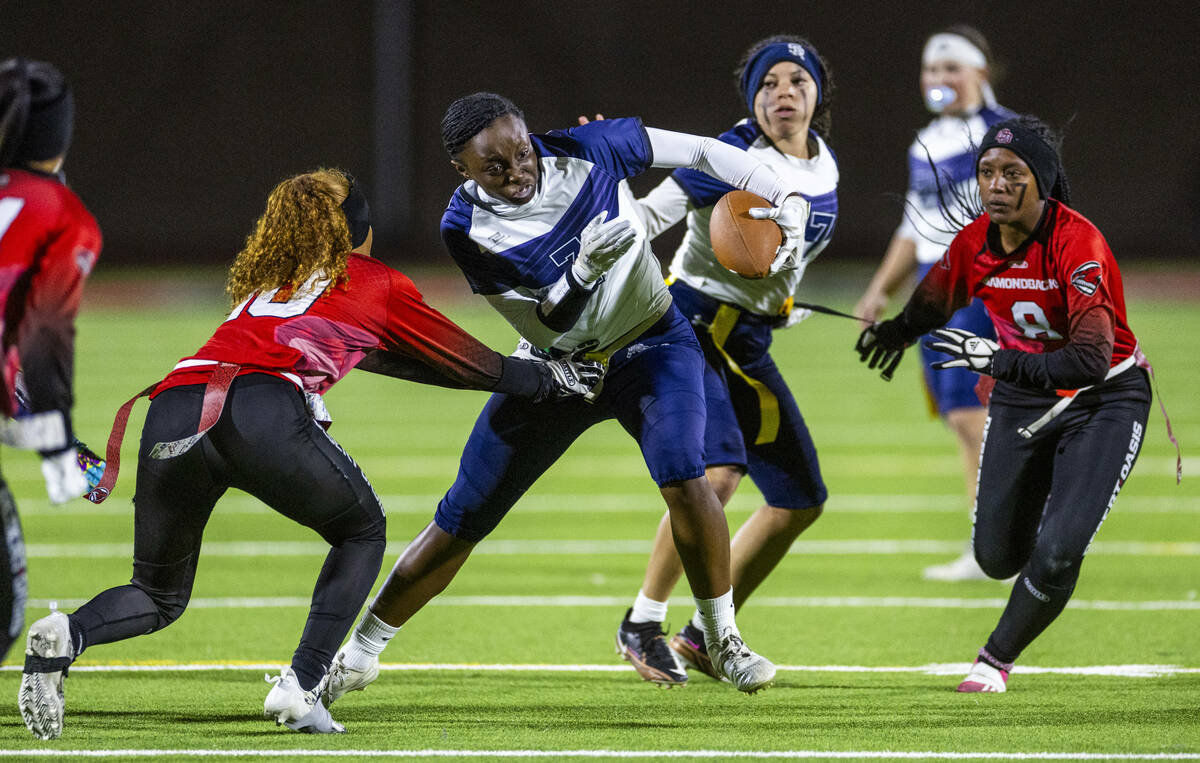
<point x="1041" y="501"/>
<point x="268" y="445"/>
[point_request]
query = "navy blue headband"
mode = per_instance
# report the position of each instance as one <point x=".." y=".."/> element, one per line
<point x="1027" y="144"/>
<point x="762" y="61"/>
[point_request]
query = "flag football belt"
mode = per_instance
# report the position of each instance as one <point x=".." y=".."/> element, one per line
<point x="215" y="392"/>
<point x="1135" y="358"/>
<point x="1068" y="397"/>
<point x="602" y="354"/>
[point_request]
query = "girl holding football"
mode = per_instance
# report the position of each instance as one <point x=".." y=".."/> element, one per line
<point x="754" y="426"/>
<point x="956" y="73"/>
<point x="1068" y="408"/>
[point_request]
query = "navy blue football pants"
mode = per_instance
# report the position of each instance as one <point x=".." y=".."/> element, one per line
<point x="267" y="444"/>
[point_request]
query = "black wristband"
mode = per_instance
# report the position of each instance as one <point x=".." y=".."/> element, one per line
<point x="564" y="303"/>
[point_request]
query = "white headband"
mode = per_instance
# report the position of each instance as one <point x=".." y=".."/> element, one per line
<point x="955" y="48"/>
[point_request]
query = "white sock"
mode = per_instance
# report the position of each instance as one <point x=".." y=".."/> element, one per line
<point x="716" y="617"/>
<point x="367" y="642"/>
<point x="646" y="610"/>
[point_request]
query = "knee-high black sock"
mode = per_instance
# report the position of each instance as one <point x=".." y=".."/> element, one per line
<point x="1032" y="606"/>
<point x="116" y="614"/>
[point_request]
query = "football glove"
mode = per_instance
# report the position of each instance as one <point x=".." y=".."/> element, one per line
<point x="91" y="464"/>
<point x="792" y="218"/>
<point x="568" y="376"/>
<point x="882" y="345"/>
<point x="969" y="351"/>
<point x="601" y="244"/>
<point x="64" y="477"/>
<point x="562" y="377"/>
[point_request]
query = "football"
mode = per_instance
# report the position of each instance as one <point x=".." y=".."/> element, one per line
<point x="742" y="244"/>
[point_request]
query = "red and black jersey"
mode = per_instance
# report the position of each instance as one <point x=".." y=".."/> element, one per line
<point x="1057" y="302"/>
<point x="49" y="243"/>
<point x="313" y="335"/>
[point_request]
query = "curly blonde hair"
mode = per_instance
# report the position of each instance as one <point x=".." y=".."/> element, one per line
<point x="303" y="230"/>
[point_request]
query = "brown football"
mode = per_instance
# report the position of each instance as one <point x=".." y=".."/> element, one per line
<point x="742" y="244"/>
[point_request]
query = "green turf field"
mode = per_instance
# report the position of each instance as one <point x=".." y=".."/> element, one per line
<point x="516" y="657"/>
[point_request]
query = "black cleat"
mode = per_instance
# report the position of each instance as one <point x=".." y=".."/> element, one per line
<point x="689" y="647"/>
<point x="645" y="646"/>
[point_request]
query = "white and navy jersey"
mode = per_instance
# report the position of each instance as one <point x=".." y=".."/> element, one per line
<point x="951" y="143"/>
<point x="816" y="179"/>
<point x="513" y="254"/>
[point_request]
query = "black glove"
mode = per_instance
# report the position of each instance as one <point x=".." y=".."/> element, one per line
<point x="882" y="344"/>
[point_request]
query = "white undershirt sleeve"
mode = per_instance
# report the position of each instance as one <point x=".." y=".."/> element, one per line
<point x="666" y="205"/>
<point x="720" y="160"/>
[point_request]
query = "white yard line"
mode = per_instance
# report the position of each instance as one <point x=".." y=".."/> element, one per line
<point x="600" y="754"/>
<point x="848" y="602"/>
<point x="594" y="547"/>
<point x="932" y="669"/>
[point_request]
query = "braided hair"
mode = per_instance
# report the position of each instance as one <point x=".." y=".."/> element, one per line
<point x="470" y="115"/>
<point x="37" y="112"/>
<point x="822" y="118"/>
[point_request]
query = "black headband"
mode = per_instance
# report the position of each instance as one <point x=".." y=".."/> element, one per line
<point x="358" y="213"/>
<point x="49" y="111"/>
<point x="1027" y="144"/>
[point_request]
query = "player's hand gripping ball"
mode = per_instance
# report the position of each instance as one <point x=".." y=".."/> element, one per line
<point x="968" y="350"/>
<point x="742" y="244"/>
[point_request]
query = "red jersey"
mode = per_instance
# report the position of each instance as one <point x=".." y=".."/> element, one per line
<point x="1060" y="291"/>
<point x="315" y="334"/>
<point x="49" y="243"/>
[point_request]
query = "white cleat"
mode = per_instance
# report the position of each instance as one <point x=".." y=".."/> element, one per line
<point x="983" y="678"/>
<point x="342" y="679"/>
<point x="296" y="708"/>
<point x="963" y="568"/>
<point x="747" y="671"/>
<point x="48" y="652"/>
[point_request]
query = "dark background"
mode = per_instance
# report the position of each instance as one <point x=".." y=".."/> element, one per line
<point x="189" y="112"/>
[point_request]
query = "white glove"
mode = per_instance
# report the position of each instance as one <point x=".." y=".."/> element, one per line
<point x="563" y="377"/>
<point x="796" y="315"/>
<point x="64" y="479"/>
<point x="601" y="244"/>
<point x="792" y="218"/>
<point x="969" y="351"/>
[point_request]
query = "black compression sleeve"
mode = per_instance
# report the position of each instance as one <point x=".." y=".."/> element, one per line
<point x="1084" y="361"/>
<point x="523" y="378"/>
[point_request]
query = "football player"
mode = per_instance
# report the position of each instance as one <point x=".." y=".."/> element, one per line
<point x="49" y="243"/>
<point x="545" y="230"/>
<point x="754" y="425"/>
<point x="244" y="411"/>
<point x="956" y="69"/>
<point x="1070" y="398"/>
